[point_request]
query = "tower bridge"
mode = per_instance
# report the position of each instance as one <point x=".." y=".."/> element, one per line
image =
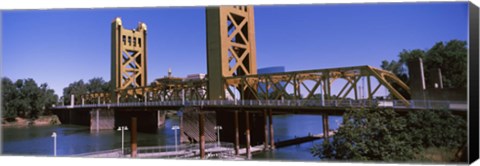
<point x="232" y="94"/>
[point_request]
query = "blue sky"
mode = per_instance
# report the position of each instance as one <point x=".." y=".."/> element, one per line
<point x="62" y="46"/>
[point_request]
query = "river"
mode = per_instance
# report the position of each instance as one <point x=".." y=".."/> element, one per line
<point x="74" y="139"/>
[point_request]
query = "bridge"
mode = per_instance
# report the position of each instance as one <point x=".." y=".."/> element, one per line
<point x="282" y="106"/>
<point x="233" y="94"/>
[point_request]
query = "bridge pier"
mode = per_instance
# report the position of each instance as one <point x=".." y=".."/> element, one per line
<point x="325" y="126"/>
<point x="76" y="117"/>
<point x="102" y="119"/>
<point x="229" y="134"/>
<point x="270" y="127"/>
<point x="237" y="139"/>
<point x="133" y="137"/>
<point x="161" y="118"/>
<point x="201" y="130"/>
<point x="247" y="134"/>
<point x="265" y="130"/>
<point x="147" y="120"/>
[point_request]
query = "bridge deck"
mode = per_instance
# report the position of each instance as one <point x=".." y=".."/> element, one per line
<point x="331" y="107"/>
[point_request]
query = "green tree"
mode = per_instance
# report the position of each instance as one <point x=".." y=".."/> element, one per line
<point x="79" y="88"/>
<point x="399" y="68"/>
<point x="21" y="104"/>
<point x="33" y="97"/>
<point x="76" y="88"/>
<point x="383" y="135"/>
<point x="450" y="57"/>
<point x="97" y="84"/>
<point x="49" y="98"/>
<point x="368" y="135"/>
<point x="436" y="129"/>
<point x="10" y="98"/>
<point x="25" y="98"/>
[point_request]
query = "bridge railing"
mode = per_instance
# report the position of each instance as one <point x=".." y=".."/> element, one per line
<point x="347" y="103"/>
<point x="434" y="104"/>
<point x="184" y="150"/>
<point x="224" y="149"/>
<point x="316" y="103"/>
<point x="114" y="153"/>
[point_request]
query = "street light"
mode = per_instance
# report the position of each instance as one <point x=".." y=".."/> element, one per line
<point x="54" y="135"/>
<point x="122" y="128"/>
<point x="175" y="128"/>
<point x="218" y="128"/>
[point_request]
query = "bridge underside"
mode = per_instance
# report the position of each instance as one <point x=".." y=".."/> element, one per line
<point x="110" y="119"/>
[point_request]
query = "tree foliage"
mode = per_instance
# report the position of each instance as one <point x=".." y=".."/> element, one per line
<point x="368" y="135"/>
<point x="79" y="88"/>
<point x="436" y="129"/>
<point x="450" y="58"/>
<point x="26" y="99"/>
<point x="383" y="135"/>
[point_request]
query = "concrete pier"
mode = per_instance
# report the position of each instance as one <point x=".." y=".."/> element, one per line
<point x="102" y="119"/>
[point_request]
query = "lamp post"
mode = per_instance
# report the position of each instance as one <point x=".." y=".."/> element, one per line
<point x="122" y="128"/>
<point x="54" y="135"/>
<point x="175" y="128"/>
<point x="218" y="128"/>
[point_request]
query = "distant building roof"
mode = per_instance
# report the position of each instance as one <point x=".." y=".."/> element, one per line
<point x="273" y="69"/>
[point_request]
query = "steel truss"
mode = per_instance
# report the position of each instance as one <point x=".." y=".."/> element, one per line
<point x="165" y="89"/>
<point x="276" y="86"/>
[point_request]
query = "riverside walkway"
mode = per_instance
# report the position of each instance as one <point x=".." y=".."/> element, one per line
<point x="213" y="151"/>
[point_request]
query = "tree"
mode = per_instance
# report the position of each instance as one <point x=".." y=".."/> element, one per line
<point x="10" y="98"/>
<point x="399" y="68"/>
<point x="79" y="88"/>
<point x="49" y="98"/>
<point x="368" y="135"/>
<point x="25" y="99"/>
<point x="451" y="58"/>
<point x="436" y="129"/>
<point x="97" y="84"/>
<point x="383" y="135"/>
<point x="35" y="96"/>
<point x="76" y="88"/>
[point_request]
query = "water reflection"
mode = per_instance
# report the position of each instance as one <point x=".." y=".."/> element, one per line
<point x="73" y="139"/>
<point x="289" y="126"/>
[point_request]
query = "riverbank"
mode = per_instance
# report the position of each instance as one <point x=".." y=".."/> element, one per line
<point x="41" y="121"/>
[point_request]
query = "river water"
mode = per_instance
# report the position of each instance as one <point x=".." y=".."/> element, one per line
<point x="73" y="139"/>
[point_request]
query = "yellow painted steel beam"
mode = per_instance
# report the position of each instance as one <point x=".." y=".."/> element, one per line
<point x="128" y="57"/>
<point x="230" y="36"/>
<point x="392" y="90"/>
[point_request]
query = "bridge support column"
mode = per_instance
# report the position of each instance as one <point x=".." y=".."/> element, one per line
<point x="237" y="139"/>
<point x="161" y="119"/>
<point x="102" y="119"/>
<point x="270" y="127"/>
<point x="201" y="135"/>
<point x="133" y="137"/>
<point x="325" y="126"/>
<point x="247" y="133"/>
<point x="265" y="130"/>
<point x="97" y="119"/>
